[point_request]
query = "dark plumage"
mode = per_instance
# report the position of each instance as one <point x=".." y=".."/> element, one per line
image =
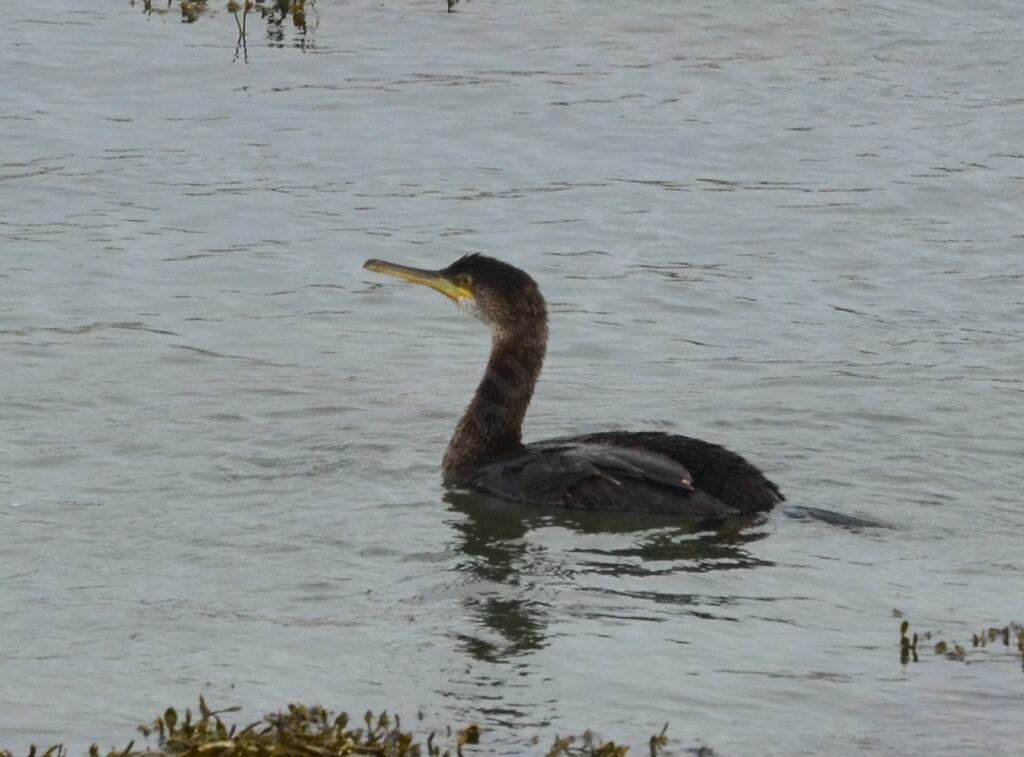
<point x="612" y="470"/>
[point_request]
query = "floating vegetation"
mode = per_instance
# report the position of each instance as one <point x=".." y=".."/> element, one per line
<point x="1010" y="637"/>
<point x="908" y="647"/>
<point x="589" y="745"/>
<point x="313" y="731"/>
<point x="301" y="15"/>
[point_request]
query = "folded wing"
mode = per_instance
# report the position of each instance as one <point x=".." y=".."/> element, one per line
<point x="595" y="475"/>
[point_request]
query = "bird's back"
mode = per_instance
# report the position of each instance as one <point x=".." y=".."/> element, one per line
<point x="717" y="471"/>
<point x="620" y="471"/>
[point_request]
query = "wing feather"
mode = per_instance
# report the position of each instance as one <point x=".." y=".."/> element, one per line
<point x="584" y="475"/>
<point x="717" y="471"/>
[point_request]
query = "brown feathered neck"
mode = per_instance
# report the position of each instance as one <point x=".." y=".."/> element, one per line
<point x="492" y="424"/>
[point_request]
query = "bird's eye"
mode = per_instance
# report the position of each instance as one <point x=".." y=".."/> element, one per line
<point x="464" y="280"/>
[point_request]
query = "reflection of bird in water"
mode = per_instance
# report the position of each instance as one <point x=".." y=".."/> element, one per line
<point x="495" y="540"/>
<point x="613" y="470"/>
<point x="513" y="575"/>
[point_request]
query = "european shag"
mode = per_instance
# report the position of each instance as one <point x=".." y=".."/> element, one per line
<point x="610" y="470"/>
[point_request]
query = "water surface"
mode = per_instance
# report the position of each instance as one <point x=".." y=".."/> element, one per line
<point x="790" y="227"/>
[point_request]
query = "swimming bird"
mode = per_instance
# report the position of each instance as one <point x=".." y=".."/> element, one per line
<point x="609" y="470"/>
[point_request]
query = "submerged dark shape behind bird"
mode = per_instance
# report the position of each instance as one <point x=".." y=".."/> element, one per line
<point x="611" y="470"/>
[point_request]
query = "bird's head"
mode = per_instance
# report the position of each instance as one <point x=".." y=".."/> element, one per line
<point x="499" y="294"/>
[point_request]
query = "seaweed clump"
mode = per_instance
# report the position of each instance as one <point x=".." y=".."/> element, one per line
<point x="590" y="745"/>
<point x="1011" y="636"/>
<point x="299" y="730"/>
<point x="314" y="731"/>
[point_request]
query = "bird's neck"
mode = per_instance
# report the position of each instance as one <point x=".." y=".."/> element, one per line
<point x="492" y="425"/>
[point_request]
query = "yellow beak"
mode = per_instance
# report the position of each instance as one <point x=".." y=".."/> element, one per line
<point x="433" y="279"/>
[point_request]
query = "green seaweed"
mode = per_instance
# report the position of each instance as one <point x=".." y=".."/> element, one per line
<point x="908" y="645"/>
<point x="1010" y="636"/>
<point x="314" y="731"/>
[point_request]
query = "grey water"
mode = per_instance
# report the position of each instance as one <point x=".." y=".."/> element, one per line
<point x="794" y="228"/>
